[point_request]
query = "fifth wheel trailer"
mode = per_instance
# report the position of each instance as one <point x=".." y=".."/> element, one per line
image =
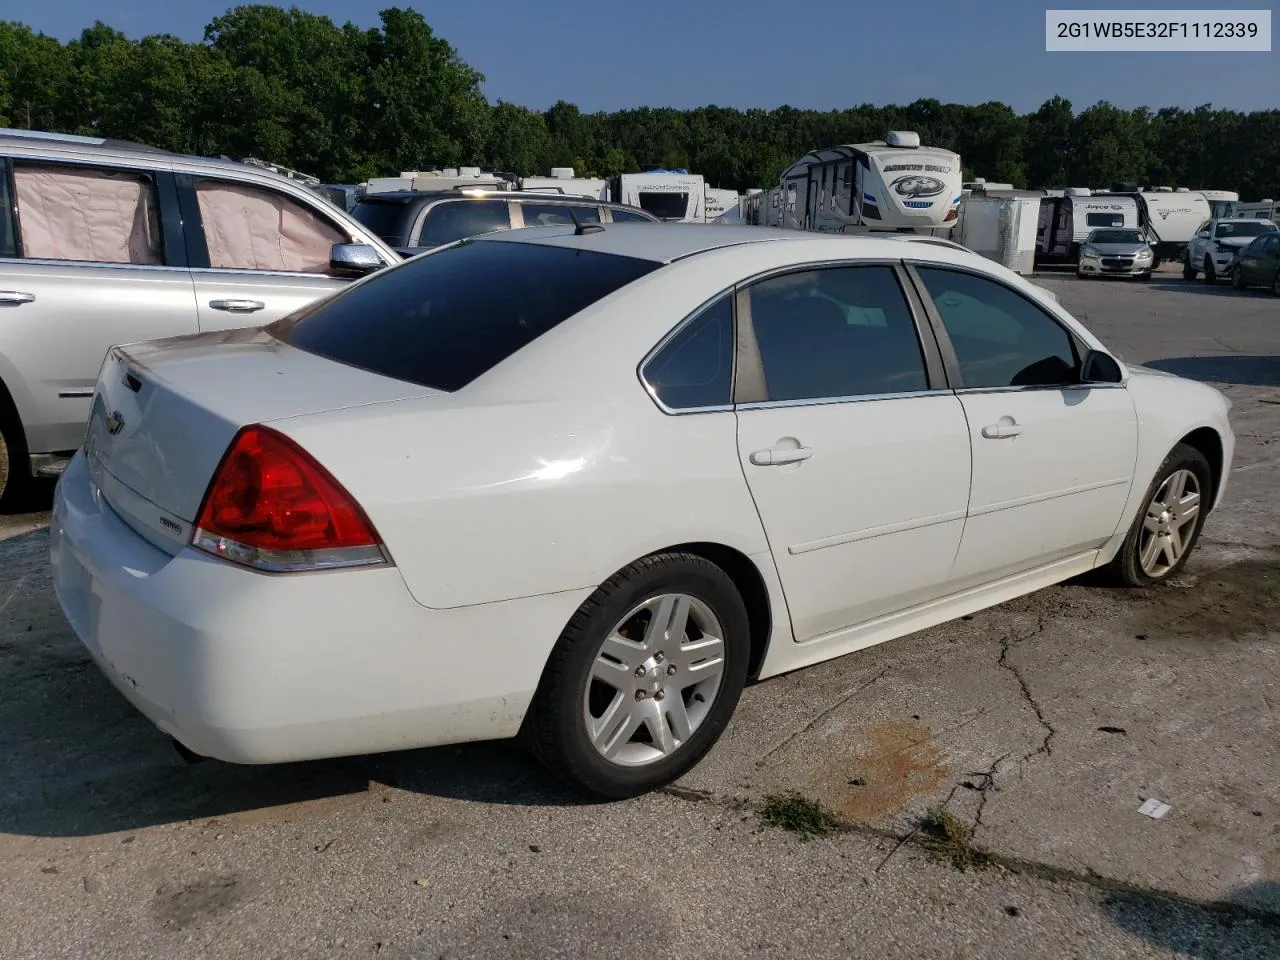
<point x="890" y="184"/>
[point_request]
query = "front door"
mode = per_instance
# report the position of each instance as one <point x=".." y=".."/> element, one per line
<point x="1053" y="460"/>
<point x="859" y="470"/>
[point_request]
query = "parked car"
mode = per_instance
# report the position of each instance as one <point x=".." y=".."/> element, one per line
<point x="414" y="221"/>
<point x="1116" y="252"/>
<point x="1217" y="243"/>
<point x="1259" y="264"/>
<point x="103" y="242"/>
<point x="587" y="503"/>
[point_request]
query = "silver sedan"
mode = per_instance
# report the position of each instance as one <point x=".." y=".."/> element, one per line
<point x="1116" y="252"/>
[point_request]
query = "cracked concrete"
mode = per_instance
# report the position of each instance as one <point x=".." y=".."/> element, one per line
<point x="110" y="846"/>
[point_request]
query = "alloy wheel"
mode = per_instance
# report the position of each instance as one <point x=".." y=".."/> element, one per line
<point x="1169" y="523"/>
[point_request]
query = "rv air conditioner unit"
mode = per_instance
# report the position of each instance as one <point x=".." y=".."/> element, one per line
<point x="907" y="139"/>
<point x="562" y="173"/>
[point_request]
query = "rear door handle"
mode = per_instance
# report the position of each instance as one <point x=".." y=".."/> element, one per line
<point x="15" y="298"/>
<point x="237" y="306"/>
<point x="775" y="456"/>
<point x="999" y="431"/>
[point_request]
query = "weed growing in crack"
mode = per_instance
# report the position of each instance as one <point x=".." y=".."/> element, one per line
<point x="797" y="813"/>
<point x="952" y="837"/>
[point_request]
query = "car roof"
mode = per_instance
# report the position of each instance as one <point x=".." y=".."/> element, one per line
<point x="663" y="242"/>
<point x="482" y="193"/>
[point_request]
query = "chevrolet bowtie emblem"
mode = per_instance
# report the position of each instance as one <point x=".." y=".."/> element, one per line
<point x="115" y="423"/>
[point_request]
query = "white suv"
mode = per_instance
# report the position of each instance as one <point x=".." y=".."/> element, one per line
<point x="104" y="242"/>
<point x="1217" y="243"/>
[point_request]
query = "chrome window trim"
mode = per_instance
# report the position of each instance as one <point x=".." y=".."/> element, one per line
<point x="250" y="272"/>
<point x="965" y="391"/>
<point x="96" y="264"/>
<point x="858" y="398"/>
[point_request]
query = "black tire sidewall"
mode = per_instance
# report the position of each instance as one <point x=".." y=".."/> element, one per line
<point x="555" y="721"/>
<point x="1182" y="457"/>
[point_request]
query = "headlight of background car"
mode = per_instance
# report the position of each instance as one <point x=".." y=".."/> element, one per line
<point x="1090" y="253"/>
<point x="1144" y="255"/>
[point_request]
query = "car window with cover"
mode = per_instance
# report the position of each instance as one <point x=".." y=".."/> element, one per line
<point x="455" y="220"/>
<point x="99" y="215"/>
<point x="442" y="319"/>
<point x="253" y="228"/>
<point x="695" y="367"/>
<point x="836" y="332"/>
<point x="1001" y="339"/>
<point x="557" y="214"/>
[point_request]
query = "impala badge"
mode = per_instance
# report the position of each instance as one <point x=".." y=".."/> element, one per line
<point x="115" y="422"/>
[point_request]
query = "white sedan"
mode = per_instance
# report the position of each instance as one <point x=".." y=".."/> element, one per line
<point x="581" y="485"/>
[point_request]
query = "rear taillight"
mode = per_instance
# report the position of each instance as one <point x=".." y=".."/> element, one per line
<point x="951" y="215"/>
<point x="271" y="506"/>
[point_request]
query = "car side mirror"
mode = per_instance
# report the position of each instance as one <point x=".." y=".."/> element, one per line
<point x="353" y="260"/>
<point x="1099" y="367"/>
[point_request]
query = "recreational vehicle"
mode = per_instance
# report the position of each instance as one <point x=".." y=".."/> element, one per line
<point x="675" y="195"/>
<point x="1001" y="228"/>
<point x="1262" y="210"/>
<point x="446" y="179"/>
<point x="1222" y="203"/>
<point x="1066" y="221"/>
<point x="891" y="184"/>
<point x="563" y="181"/>
<point x="719" y="202"/>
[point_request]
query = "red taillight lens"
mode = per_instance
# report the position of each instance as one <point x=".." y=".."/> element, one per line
<point x="272" y="506"/>
<point x="951" y="215"/>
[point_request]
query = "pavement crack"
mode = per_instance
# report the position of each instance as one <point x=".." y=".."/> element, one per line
<point x="822" y="716"/>
<point x="1046" y="744"/>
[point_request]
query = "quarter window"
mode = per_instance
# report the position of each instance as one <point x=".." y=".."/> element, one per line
<point x="88" y="214"/>
<point x="249" y="228"/>
<point x="1000" y="338"/>
<point x="557" y="214"/>
<point x="839" y="332"/>
<point x="456" y="220"/>
<point x="695" y="367"/>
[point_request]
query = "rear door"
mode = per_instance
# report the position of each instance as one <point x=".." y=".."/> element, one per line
<point x="256" y="253"/>
<point x="1053" y="460"/>
<point x="855" y="452"/>
<point x="92" y="256"/>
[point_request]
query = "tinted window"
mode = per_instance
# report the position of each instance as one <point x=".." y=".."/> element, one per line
<point x="695" y="368"/>
<point x="557" y="214"/>
<point x="387" y="218"/>
<point x="842" y="332"/>
<point x="1000" y="338"/>
<point x="441" y="320"/>
<point x="628" y="216"/>
<point x="664" y="206"/>
<point x="8" y="236"/>
<point x="459" y="219"/>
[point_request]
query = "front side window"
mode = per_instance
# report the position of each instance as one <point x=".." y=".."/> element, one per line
<point x="557" y="214"/>
<point x="456" y="220"/>
<point x="1000" y="338"/>
<point x="87" y="213"/>
<point x="442" y="319"/>
<point x="251" y="228"/>
<point x="695" y="367"/>
<point x="628" y="216"/>
<point x="837" y="332"/>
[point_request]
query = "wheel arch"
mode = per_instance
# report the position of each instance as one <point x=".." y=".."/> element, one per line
<point x="1209" y="443"/>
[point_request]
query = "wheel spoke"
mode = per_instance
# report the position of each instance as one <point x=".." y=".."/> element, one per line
<point x="1170" y="549"/>
<point x="656" y="721"/>
<point x="1149" y="553"/>
<point x="1186" y="509"/>
<point x="669" y="621"/>
<point x="1176" y="485"/>
<point x="615" y="727"/>
<point x="617" y="648"/>
<point x="700" y="659"/>
<point x="677" y="715"/>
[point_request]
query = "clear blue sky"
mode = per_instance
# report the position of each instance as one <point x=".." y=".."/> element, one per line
<point x="825" y="54"/>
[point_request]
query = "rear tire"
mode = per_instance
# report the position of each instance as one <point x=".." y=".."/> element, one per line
<point x="1188" y="271"/>
<point x="15" y="468"/>
<point x="1168" y="525"/>
<point x="1209" y="275"/>
<point x="625" y="706"/>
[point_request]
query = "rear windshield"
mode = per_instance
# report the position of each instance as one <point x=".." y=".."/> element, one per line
<point x="444" y="319"/>
<point x="386" y="218"/>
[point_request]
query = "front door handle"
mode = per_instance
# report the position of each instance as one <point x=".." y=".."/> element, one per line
<point x="15" y="298"/>
<point x="776" y="456"/>
<point x="1007" y="427"/>
<point x="237" y="306"/>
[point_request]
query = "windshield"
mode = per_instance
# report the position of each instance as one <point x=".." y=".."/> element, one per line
<point x="665" y="206"/>
<point x="386" y="218"/>
<point x="1246" y="228"/>
<point x="443" y="319"/>
<point x="1115" y="236"/>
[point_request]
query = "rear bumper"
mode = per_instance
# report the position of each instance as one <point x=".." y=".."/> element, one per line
<point x="254" y="668"/>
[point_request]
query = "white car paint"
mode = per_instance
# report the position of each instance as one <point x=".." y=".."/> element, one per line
<point x="506" y="503"/>
<point x="1221" y="251"/>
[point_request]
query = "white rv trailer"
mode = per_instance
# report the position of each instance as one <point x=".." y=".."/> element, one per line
<point x="719" y="202"/>
<point x="890" y="184"/>
<point x="1262" y="210"/>
<point x="1065" y="222"/>
<point x="446" y="179"/>
<point x="1222" y="203"/>
<point x="1001" y="227"/>
<point x="1171" y="220"/>
<point x="562" y="180"/>
<point x="674" y="195"/>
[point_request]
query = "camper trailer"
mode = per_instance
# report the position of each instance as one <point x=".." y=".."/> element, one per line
<point x="1065" y="222"/>
<point x="1001" y="228"/>
<point x="891" y="184"/>
<point x="445" y="179"/>
<point x="563" y="181"/>
<point x="1262" y="210"/>
<point x="1170" y="219"/>
<point x="1222" y="203"/>
<point x="719" y="203"/>
<point x="674" y="195"/>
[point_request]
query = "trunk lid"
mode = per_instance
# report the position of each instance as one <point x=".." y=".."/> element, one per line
<point x="165" y="412"/>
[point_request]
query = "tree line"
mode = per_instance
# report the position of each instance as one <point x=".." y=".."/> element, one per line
<point x="346" y="103"/>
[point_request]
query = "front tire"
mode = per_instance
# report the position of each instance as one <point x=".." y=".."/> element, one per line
<point x="15" y="473"/>
<point x="644" y="678"/>
<point x="1167" y="528"/>
<point x="1188" y="271"/>
<point x="1237" y="279"/>
<point x="1209" y="275"/>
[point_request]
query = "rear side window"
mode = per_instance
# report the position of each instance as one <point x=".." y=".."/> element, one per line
<point x="89" y="214"/>
<point x="557" y="214"/>
<point x="456" y="220"/>
<point x="695" y="367"/>
<point x="386" y="218"/>
<point x="444" y="319"/>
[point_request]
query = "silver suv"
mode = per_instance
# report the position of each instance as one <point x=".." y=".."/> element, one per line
<point x="104" y="242"/>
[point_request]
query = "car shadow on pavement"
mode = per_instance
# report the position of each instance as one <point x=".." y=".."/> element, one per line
<point x="1236" y="927"/>
<point x="1219" y="289"/>
<point x="1235" y="369"/>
